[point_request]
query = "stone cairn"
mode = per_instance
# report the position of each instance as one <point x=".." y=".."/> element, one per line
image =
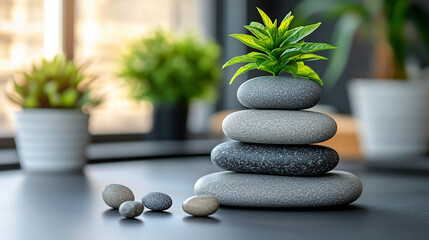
<point x="272" y="162"/>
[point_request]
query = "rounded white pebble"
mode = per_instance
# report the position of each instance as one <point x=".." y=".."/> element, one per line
<point x="201" y="206"/>
<point x="131" y="209"/>
<point x="115" y="194"/>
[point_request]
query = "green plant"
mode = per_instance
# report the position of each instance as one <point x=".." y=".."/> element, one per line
<point x="280" y="49"/>
<point x="164" y="68"/>
<point x="56" y="83"/>
<point x="390" y="25"/>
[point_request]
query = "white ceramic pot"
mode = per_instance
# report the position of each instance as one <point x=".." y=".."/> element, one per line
<point x="392" y="117"/>
<point x="51" y="140"/>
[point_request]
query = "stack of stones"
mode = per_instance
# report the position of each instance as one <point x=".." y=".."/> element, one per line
<point x="272" y="162"/>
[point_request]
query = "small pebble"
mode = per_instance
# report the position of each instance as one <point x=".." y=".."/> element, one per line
<point x="115" y="194"/>
<point x="201" y="206"/>
<point x="157" y="201"/>
<point x="131" y="209"/>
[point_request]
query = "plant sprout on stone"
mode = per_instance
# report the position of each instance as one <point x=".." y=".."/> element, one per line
<point x="280" y="49"/>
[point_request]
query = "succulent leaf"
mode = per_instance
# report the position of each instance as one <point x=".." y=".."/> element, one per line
<point x="51" y="84"/>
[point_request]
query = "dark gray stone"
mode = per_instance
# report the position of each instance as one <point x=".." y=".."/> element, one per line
<point x="157" y="201"/>
<point x="301" y="160"/>
<point x="131" y="209"/>
<point x="275" y="92"/>
<point x="279" y="126"/>
<point x="270" y="191"/>
<point x="115" y="194"/>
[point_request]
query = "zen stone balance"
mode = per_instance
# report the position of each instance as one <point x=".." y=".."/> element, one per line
<point x="271" y="163"/>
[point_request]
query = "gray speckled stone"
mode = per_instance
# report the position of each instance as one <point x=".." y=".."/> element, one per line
<point x="157" y="201"/>
<point x="115" y="194"/>
<point x="279" y="126"/>
<point x="131" y="209"/>
<point x="251" y="190"/>
<point x="274" y="92"/>
<point x="298" y="160"/>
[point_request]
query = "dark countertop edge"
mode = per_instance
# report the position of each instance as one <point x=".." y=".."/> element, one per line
<point x="130" y="151"/>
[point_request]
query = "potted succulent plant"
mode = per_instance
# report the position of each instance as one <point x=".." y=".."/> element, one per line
<point x="391" y="114"/>
<point x="170" y="71"/>
<point x="52" y="130"/>
<point x="280" y="49"/>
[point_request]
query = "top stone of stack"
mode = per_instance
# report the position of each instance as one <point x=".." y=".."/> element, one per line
<point x="269" y="92"/>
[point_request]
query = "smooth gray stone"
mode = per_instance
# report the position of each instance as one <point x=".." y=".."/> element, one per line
<point x="131" y="209"/>
<point x="270" y="191"/>
<point x="157" y="201"/>
<point x="279" y="126"/>
<point x="275" y="92"/>
<point x="292" y="160"/>
<point x="115" y="194"/>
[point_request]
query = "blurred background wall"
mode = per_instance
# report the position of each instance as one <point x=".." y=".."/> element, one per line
<point x="102" y="27"/>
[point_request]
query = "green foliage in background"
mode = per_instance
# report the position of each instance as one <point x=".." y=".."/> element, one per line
<point x="56" y="83"/>
<point x="168" y="69"/>
<point x="280" y="49"/>
<point x="381" y="22"/>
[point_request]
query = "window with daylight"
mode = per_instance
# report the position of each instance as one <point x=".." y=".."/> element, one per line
<point x="88" y="31"/>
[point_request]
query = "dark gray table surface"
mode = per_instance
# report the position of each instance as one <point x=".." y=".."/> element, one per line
<point x="393" y="206"/>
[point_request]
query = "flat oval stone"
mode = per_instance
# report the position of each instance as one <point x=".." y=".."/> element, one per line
<point x="270" y="191"/>
<point x="275" y="92"/>
<point x="201" y="206"/>
<point x="115" y="194"/>
<point x="279" y="126"/>
<point x="299" y="160"/>
<point x="157" y="201"/>
<point x="131" y="209"/>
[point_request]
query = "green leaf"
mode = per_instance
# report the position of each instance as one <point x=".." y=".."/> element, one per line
<point x="276" y="53"/>
<point x="19" y="89"/>
<point x="270" y="25"/>
<point x="266" y="43"/>
<point x="259" y="33"/>
<point x="309" y="57"/>
<point x="289" y="53"/>
<point x="69" y="98"/>
<point x="292" y="67"/>
<point x="267" y="21"/>
<point x="268" y="66"/>
<point x="307" y="72"/>
<point x="259" y="26"/>
<point x="297" y="34"/>
<point x="285" y="24"/>
<point x="30" y="102"/>
<point x="243" y="69"/>
<point x="248" y="40"/>
<point x="396" y="14"/>
<point x="309" y="47"/>
<point x="288" y="15"/>
<point x="251" y="57"/>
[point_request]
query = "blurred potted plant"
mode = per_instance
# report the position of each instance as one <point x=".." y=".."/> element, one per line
<point x="392" y="114"/>
<point x="51" y="130"/>
<point x="170" y="72"/>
